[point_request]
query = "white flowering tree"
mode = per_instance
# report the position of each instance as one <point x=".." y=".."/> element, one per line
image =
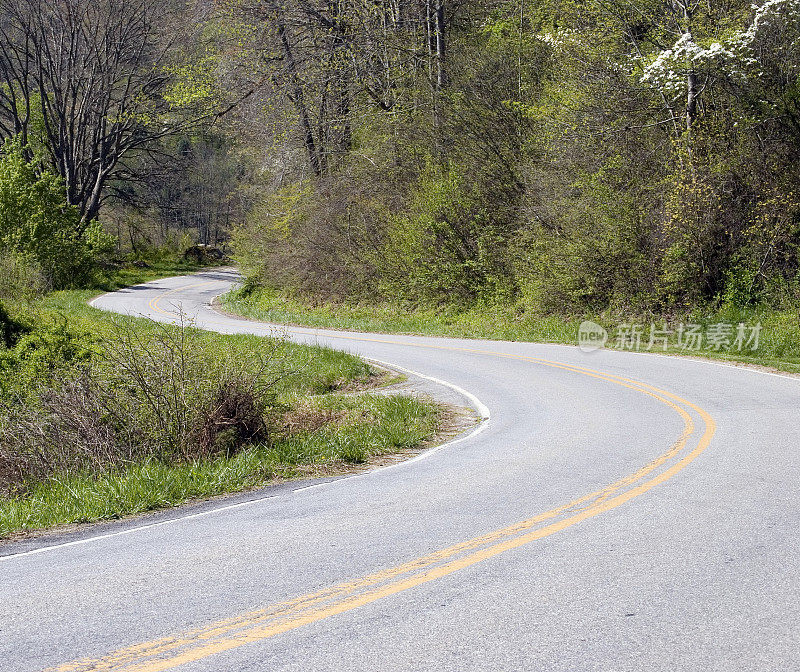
<point x="768" y="53"/>
<point x="763" y="55"/>
<point x="685" y="70"/>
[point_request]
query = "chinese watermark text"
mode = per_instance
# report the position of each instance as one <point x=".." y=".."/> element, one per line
<point x="718" y="336"/>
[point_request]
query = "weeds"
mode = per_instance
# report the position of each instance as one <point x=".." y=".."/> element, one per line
<point x="102" y="417"/>
<point x="146" y="393"/>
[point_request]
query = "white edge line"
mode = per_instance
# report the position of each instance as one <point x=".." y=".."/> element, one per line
<point x="697" y="359"/>
<point x="97" y="298"/>
<point x="479" y="406"/>
<point x="119" y="533"/>
<point x="743" y="366"/>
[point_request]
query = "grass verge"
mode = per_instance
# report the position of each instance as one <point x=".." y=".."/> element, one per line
<point x="316" y="426"/>
<point x="778" y="348"/>
<point x="365" y="426"/>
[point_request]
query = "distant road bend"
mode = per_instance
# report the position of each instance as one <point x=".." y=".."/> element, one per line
<point x="618" y="512"/>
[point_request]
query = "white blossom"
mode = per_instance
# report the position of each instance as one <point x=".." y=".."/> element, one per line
<point x="773" y="37"/>
<point x="669" y="70"/>
<point x="558" y="40"/>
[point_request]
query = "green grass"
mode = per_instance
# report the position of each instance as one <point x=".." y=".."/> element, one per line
<point x="128" y="274"/>
<point x="317" y="369"/>
<point x="359" y="426"/>
<point x="779" y="347"/>
<point x="372" y="425"/>
<point x="72" y="302"/>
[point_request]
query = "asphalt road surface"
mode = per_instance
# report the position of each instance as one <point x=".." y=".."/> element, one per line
<point x="617" y="511"/>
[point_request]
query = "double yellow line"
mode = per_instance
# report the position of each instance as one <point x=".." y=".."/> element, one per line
<point x="255" y="626"/>
<point x="156" y="300"/>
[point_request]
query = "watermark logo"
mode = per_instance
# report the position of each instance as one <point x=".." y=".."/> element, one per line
<point x="591" y="336"/>
<point x="717" y="337"/>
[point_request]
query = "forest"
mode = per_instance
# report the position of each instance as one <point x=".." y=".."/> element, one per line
<point x="550" y="155"/>
<point x="494" y="169"/>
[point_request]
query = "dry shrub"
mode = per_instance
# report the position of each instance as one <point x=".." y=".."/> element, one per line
<point x="161" y="392"/>
<point x="235" y="418"/>
<point x="195" y="400"/>
<point x="71" y="428"/>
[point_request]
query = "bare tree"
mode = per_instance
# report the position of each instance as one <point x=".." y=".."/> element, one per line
<point x="336" y="61"/>
<point x="84" y="80"/>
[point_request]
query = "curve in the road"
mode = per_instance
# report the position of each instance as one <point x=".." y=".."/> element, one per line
<point x="416" y="560"/>
<point x="164" y="654"/>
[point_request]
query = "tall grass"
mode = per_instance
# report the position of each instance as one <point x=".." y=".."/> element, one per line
<point x="371" y="425"/>
<point x="779" y="345"/>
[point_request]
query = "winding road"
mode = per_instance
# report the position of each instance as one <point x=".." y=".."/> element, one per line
<point x="614" y="512"/>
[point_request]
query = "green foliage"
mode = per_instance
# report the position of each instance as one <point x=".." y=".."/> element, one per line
<point x="269" y="225"/>
<point x="562" y="158"/>
<point x="593" y="254"/>
<point x="443" y="249"/>
<point x="11" y="329"/>
<point x="741" y="288"/>
<point x="21" y="278"/>
<point x="323" y="241"/>
<point x="192" y="84"/>
<point x="35" y="220"/>
<point x="39" y="357"/>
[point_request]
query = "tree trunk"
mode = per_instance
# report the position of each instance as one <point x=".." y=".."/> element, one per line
<point x="299" y="101"/>
<point x="691" y="100"/>
<point x="439" y="31"/>
<point x="691" y="78"/>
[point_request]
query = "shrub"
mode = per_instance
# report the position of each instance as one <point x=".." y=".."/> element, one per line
<point x="39" y="357"/>
<point x="21" y="277"/>
<point x="11" y="330"/>
<point x="449" y="244"/>
<point x="592" y="252"/>
<point x="35" y="220"/>
<point x="187" y="403"/>
<point x="318" y="242"/>
<point x="153" y="393"/>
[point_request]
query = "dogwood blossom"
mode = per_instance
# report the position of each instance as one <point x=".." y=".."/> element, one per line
<point x="773" y="36"/>
<point x="669" y="70"/>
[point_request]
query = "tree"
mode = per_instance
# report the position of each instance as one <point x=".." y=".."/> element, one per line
<point x="86" y="81"/>
<point x="35" y="221"/>
<point x="335" y="62"/>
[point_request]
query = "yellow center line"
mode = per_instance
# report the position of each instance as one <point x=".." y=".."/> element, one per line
<point x="154" y="302"/>
<point x="170" y="652"/>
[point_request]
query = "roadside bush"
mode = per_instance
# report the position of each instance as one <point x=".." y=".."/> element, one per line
<point x="447" y="246"/>
<point x="155" y="393"/>
<point x="590" y="251"/>
<point x="21" y="278"/>
<point x="322" y="242"/>
<point x="40" y="357"/>
<point x="36" y="221"/>
<point x="190" y="402"/>
<point x="11" y="330"/>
